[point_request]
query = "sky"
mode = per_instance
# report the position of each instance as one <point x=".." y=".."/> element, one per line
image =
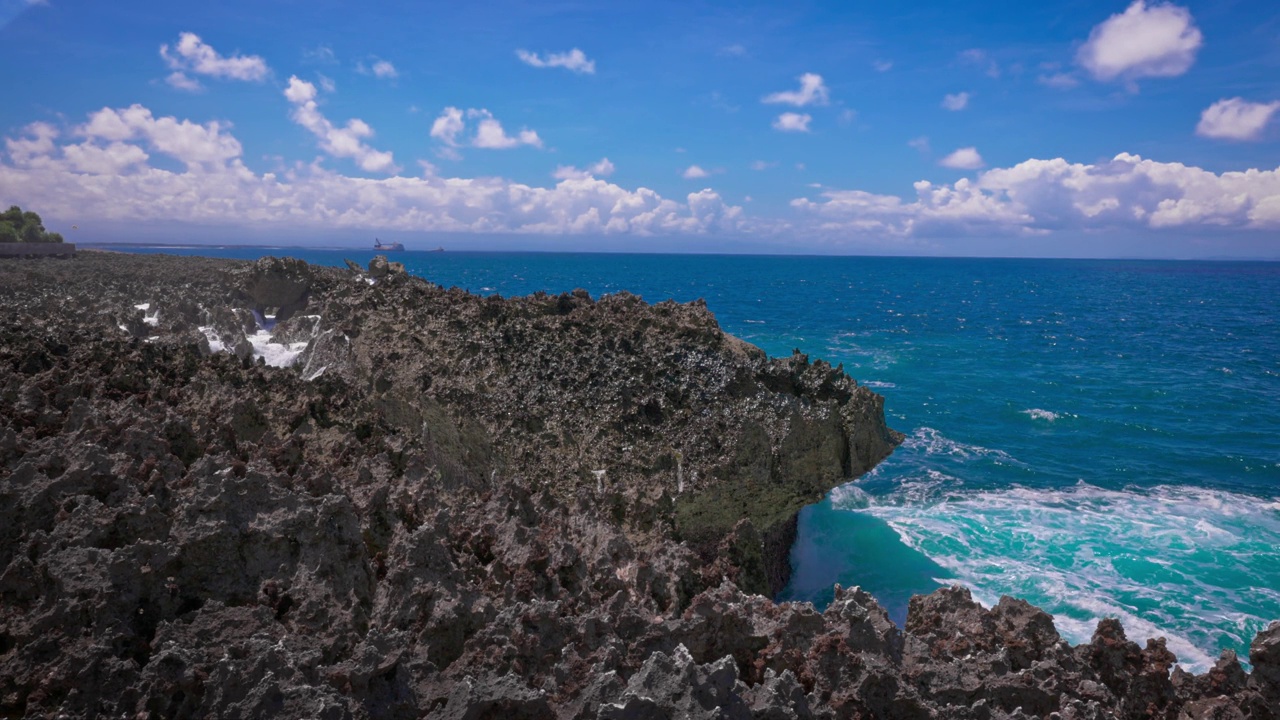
<point x="1050" y="129"/>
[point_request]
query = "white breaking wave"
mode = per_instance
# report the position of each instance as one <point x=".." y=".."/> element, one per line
<point x="272" y="353"/>
<point x="150" y="318"/>
<point x="877" y="384"/>
<point x="1198" y="566"/>
<point x="1038" y="414"/>
<point x="932" y="442"/>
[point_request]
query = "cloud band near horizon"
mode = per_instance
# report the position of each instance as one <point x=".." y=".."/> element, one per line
<point x="102" y="169"/>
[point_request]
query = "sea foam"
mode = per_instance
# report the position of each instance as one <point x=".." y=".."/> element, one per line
<point x="1194" y="565"/>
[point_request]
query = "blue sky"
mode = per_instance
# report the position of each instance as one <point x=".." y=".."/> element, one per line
<point x="1040" y="129"/>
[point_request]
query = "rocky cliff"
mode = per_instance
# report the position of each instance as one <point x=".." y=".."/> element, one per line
<point x="444" y="505"/>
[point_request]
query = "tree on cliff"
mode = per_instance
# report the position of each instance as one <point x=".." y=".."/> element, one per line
<point x="19" y="226"/>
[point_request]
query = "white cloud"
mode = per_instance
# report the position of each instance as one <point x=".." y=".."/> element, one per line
<point x="1058" y="81"/>
<point x="966" y="158"/>
<point x="1038" y="196"/>
<point x="379" y="69"/>
<point x="489" y="135"/>
<point x="1159" y="40"/>
<point x="344" y="142"/>
<point x="182" y="81"/>
<point x="575" y="61"/>
<point x="1236" y="119"/>
<point x="792" y="122"/>
<point x="84" y="180"/>
<point x="321" y="54"/>
<point x="448" y="126"/>
<point x="37" y="145"/>
<point x="762" y="165"/>
<point x="193" y="55"/>
<point x="812" y="92"/>
<point x="882" y="65"/>
<point x="958" y="101"/>
<point x="113" y="159"/>
<point x="847" y="116"/>
<point x="603" y="168"/>
<point x="980" y="58"/>
<point x="921" y="143"/>
<point x="693" y="172"/>
<point x="200" y="147"/>
<point x="735" y="50"/>
<point x="326" y="83"/>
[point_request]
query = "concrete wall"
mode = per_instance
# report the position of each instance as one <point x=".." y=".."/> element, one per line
<point x="37" y="249"/>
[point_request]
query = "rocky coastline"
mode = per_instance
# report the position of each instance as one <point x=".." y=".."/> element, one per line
<point x="233" y="489"/>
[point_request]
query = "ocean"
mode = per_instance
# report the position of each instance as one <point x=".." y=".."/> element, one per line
<point x="1101" y="438"/>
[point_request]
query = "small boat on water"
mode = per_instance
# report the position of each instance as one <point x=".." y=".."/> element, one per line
<point x="439" y="249"/>
<point x="387" y="247"/>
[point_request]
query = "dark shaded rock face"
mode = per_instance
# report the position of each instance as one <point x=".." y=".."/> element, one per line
<point x="461" y="507"/>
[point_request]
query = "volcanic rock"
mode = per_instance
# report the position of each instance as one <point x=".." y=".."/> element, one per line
<point x="415" y="502"/>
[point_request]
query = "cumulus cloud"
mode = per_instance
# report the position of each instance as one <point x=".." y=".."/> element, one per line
<point x="792" y="122"/>
<point x="182" y="81"/>
<point x="574" y="61"/>
<point x="693" y="172"/>
<point x="812" y="92"/>
<point x="192" y="56"/>
<point x="380" y="69"/>
<point x="199" y="147"/>
<point x="80" y="175"/>
<point x="958" y="101"/>
<point x="448" y="126"/>
<point x="37" y="144"/>
<point x="1038" y="196"/>
<point x="604" y="168"/>
<point x="343" y="142"/>
<point x="1236" y="119"/>
<point x="490" y="135"/>
<point x="1159" y="40"/>
<point x="451" y="125"/>
<point x="111" y="159"/>
<point x="966" y="158"/>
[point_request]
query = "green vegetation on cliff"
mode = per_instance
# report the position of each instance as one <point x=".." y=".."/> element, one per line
<point x="18" y="226"/>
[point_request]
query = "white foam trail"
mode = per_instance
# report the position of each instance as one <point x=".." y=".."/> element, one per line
<point x="215" y="342"/>
<point x="150" y="318"/>
<point x="933" y="442"/>
<point x="1197" y="566"/>
<point x="275" y="354"/>
<point x="877" y="384"/>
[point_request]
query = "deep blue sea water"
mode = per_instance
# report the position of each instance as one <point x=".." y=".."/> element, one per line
<point x="1101" y="438"/>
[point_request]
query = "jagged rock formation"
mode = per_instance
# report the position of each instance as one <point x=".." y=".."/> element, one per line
<point x="461" y="507"/>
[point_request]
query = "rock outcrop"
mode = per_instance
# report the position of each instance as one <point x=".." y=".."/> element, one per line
<point x="452" y="506"/>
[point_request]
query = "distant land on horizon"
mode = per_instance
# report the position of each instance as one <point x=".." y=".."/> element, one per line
<point x="541" y="251"/>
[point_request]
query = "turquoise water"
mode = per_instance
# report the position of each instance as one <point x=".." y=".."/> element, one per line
<point x="1101" y="438"/>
